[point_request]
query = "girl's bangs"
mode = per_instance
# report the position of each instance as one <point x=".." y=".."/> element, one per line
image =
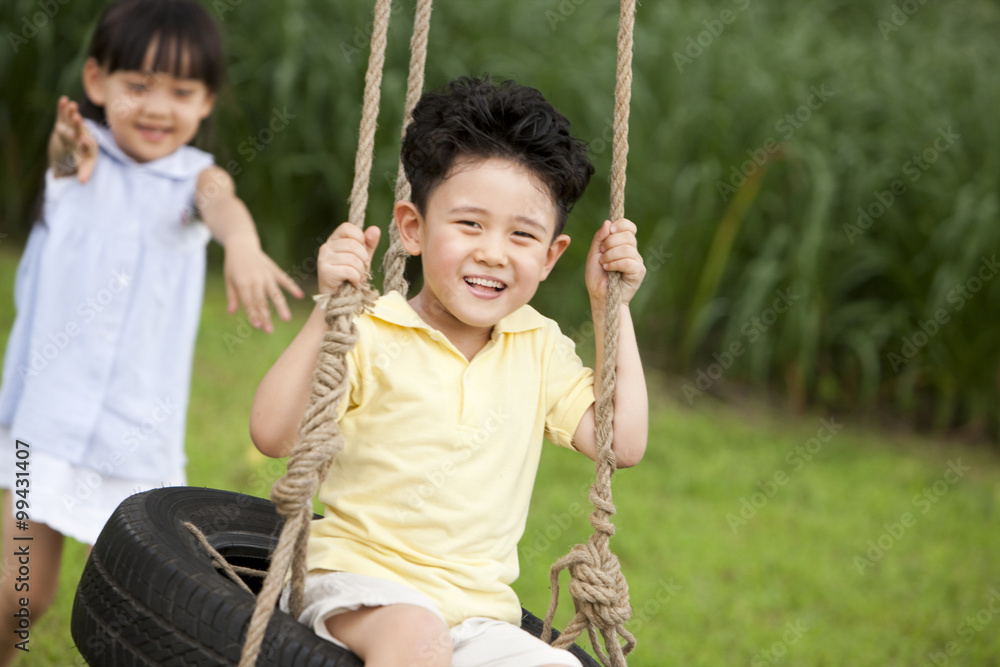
<point x="187" y="44"/>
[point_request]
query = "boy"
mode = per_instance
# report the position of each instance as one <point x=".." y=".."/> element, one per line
<point x="452" y="392"/>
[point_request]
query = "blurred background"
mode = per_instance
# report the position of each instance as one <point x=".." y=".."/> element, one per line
<point x="816" y="189"/>
<point x="843" y="151"/>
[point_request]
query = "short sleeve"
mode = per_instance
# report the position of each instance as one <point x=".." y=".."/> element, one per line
<point x="569" y="391"/>
<point x="357" y="368"/>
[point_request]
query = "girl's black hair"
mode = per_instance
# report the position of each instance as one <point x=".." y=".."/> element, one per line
<point x="188" y="43"/>
<point x="478" y="118"/>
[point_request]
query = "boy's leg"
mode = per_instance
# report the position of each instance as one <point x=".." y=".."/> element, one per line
<point x="397" y="635"/>
<point x="30" y="571"/>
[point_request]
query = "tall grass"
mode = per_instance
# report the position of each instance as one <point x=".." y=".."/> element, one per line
<point x="714" y="86"/>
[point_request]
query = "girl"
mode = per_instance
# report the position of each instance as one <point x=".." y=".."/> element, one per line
<point x="109" y="291"/>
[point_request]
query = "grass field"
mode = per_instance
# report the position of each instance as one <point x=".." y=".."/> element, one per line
<point x="748" y="537"/>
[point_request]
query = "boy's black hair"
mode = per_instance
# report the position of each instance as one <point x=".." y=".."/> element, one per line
<point x="188" y="43"/>
<point x="477" y="118"/>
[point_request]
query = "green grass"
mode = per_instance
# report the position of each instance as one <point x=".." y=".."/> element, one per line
<point x="703" y="594"/>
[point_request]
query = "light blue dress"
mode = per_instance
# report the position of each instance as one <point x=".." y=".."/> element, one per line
<point x="108" y="294"/>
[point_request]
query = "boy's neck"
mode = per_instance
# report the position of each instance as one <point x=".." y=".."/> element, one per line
<point x="467" y="339"/>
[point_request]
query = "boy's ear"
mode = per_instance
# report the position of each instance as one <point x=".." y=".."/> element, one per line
<point x="555" y="251"/>
<point x="93" y="81"/>
<point x="408" y="220"/>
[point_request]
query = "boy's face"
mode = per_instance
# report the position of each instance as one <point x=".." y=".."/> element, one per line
<point x="485" y="243"/>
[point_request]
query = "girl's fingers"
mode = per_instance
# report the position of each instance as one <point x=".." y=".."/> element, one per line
<point x="280" y="305"/>
<point x="284" y="280"/>
<point x="232" y="298"/>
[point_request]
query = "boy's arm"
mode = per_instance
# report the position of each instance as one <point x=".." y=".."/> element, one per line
<point x="251" y="276"/>
<point x="283" y="394"/>
<point x="614" y="249"/>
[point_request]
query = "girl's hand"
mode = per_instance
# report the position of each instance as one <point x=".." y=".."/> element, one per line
<point x="72" y="149"/>
<point x="346" y="257"/>
<point x="614" y="249"/>
<point x="252" y="278"/>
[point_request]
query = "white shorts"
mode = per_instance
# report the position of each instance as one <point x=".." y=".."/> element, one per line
<point x="476" y="642"/>
<point x="71" y="499"/>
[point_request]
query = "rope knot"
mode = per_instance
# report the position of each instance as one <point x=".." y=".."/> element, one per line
<point x="598" y="586"/>
<point x="600" y="595"/>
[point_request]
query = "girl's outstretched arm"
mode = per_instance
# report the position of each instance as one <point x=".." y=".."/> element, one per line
<point x="614" y="249"/>
<point x="252" y="278"/>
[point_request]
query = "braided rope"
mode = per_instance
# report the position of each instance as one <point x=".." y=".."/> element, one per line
<point x="319" y="433"/>
<point x="597" y="585"/>
<point x="394" y="260"/>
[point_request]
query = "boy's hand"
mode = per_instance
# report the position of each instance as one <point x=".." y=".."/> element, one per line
<point x="346" y="257"/>
<point x="614" y="249"/>
<point x="252" y="278"/>
<point x="72" y="148"/>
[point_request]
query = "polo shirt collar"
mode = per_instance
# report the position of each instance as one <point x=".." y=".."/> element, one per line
<point x="394" y="309"/>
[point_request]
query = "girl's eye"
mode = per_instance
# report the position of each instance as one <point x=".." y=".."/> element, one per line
<point x="183" y="92"/>
<point x="137" y="87"/>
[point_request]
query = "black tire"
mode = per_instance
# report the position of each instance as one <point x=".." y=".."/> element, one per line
<point x="150" y="596"/>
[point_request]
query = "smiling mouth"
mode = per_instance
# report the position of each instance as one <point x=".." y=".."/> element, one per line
<point x="153" y="133"/>
<point x="486" y="283"/>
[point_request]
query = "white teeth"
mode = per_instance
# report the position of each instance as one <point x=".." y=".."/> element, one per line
<point x="485" y="282"/>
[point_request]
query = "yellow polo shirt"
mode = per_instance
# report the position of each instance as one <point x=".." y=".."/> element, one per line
<point x="433" y="485"/>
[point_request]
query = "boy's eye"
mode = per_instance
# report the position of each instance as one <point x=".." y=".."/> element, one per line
<point x="468" y="223"/>
<point x="526" y="235"/>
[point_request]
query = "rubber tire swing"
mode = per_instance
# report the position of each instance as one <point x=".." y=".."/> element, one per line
<point x="151" y="597"/>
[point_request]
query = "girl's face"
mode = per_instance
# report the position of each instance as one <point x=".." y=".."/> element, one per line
<point x="150" y="114"/>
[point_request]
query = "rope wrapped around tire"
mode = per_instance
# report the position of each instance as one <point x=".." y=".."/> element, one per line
<point x="151" y="596"/>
